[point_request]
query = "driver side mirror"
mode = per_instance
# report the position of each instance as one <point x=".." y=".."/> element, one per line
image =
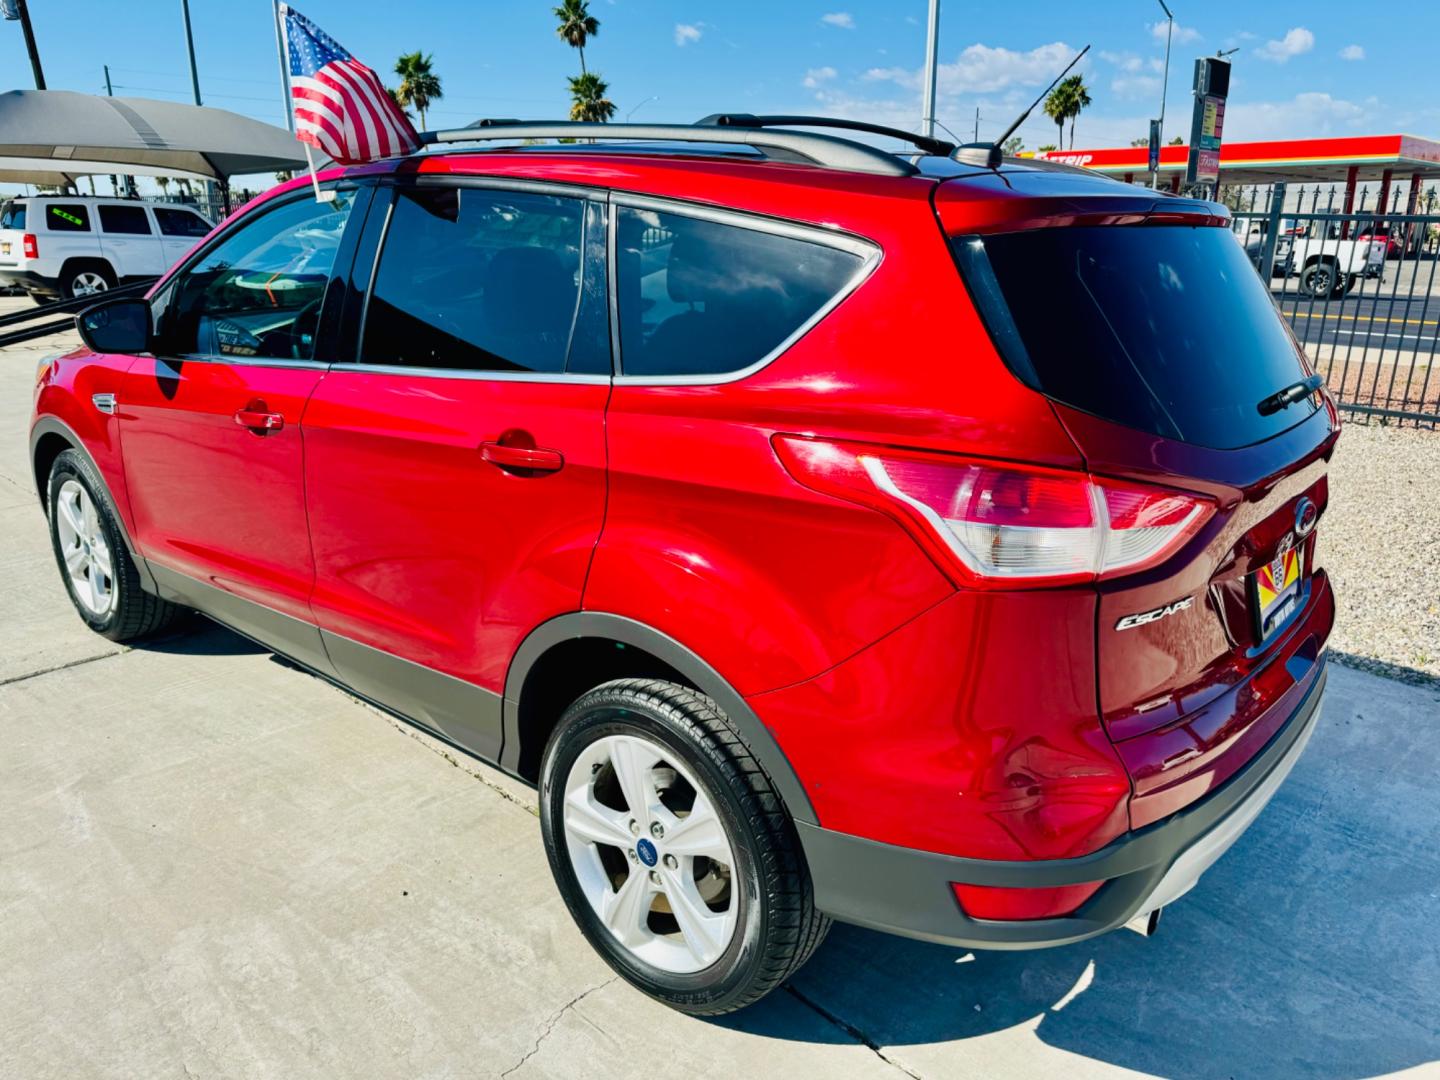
<point x="117" y="326"/>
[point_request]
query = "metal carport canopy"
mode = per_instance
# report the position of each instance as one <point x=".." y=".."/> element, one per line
<point x="1289" y="160"/>
<point x="64" y="132"/>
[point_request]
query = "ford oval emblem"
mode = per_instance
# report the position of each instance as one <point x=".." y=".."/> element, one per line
<point x="646" y="850"/>
<point x="1306" y="514"/>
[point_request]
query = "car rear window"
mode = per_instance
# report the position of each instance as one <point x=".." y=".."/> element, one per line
<point x="702" y="298"/>
<point x="1163" y="328"/>
<point x="67" y="217"/>
<point x="129" y="220"/>
<point x="181" y="222"/>
<point x="12" y="216"/>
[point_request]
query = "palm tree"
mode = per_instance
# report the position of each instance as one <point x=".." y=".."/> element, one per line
<point x="1079" y="101"/>
<point x="395" y="97"/>
<point x="587" y="92"/>
<point x="1057" y="107"/>
<point x="577" y="26"/>
<point x="419" y="85"/>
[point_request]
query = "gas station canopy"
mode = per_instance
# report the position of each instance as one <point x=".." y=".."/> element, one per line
<point x="1342" y="160"/>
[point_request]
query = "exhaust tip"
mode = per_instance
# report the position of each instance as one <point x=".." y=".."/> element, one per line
<point x="1145" y="924"/>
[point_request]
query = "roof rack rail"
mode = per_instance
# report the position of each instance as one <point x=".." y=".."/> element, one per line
<point x="748" y="120"/>
<point x="811" y="148"/>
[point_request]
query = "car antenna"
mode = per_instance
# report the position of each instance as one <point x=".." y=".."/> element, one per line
<point x="993" y="153"/>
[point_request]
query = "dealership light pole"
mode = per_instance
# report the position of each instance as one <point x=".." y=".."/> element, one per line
<point x="1165" y="84"/>
<point x="16" y="9"/>
<point x="932" y="57"/>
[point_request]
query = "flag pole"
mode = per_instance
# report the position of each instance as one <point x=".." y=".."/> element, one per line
<point x="320" y="196"/>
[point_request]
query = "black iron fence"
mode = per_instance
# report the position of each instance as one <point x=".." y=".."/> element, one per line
<point x="57" y="318"/>
<point x="1358" y="285"/>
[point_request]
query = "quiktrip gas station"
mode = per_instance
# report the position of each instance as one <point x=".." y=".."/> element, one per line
<point x="1390" y="160"/>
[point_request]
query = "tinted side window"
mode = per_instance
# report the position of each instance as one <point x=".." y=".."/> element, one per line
<point x="703" y="298"/>
<point x="180" y="222"/>
<point x="257" y="292"/>
<point x="67" y="217"/>
<point x="478" y="280"/>
<point x="13" y="216"/>
<point x="129" y="220"/>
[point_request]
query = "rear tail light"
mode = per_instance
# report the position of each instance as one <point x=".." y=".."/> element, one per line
<point x="1003" y="525"/>
<point x="30" y="246"/>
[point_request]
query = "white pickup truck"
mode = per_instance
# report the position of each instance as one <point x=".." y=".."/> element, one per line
<point x="1329" y="266"/>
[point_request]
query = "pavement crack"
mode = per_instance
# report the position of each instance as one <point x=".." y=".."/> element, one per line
<point x="851" y="1030"/>
<point x="438" y="748"/>
<point x="549" y="1025"/>
<point x="61" y="667"/>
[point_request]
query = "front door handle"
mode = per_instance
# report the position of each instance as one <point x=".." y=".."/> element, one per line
<point x="258" y="420"/>
<point x="522" y="459"/>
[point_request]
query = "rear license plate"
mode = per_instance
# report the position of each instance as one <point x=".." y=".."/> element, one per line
<point x="1275" y="591"/>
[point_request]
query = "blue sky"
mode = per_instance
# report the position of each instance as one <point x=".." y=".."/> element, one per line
<point x="1302" y="70"/>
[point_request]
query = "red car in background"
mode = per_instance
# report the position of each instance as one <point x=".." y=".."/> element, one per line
<point x="917" y="541"/>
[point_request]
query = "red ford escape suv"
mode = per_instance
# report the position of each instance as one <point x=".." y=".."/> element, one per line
<point x="924" y="542"/>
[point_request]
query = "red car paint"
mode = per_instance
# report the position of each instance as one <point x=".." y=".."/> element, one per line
<point x="1000" y="723"/>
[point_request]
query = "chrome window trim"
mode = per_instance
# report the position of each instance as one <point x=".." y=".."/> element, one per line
<point x="869" y="252"/>
<point x="242" y="361"/>
<point x="472" y="376"/>
<point x="558" y="188"/>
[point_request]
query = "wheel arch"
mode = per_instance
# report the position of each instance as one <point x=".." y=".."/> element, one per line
<point x="49" y="438"/>
<point x="564" y="657"/>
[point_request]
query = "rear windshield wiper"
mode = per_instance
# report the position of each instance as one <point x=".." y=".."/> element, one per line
<point x="1284" y="398"/>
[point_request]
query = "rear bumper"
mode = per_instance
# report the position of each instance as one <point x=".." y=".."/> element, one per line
<point x="30" y="281"/>
<point x="908" y="892"/>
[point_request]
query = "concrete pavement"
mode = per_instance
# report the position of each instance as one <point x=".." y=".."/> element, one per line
<point x="212" y="864"/>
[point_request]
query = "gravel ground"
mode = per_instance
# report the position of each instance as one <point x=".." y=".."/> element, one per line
<point x="1380" y="542"/>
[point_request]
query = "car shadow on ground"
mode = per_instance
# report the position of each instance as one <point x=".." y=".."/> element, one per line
<point x="195" y="635"/>
<point x="1311" y="949"/>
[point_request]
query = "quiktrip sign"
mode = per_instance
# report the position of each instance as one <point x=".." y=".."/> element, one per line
<point x="1212" y="87"/>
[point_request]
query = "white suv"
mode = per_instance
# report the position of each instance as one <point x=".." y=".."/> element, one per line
<point x="56" y="246"/>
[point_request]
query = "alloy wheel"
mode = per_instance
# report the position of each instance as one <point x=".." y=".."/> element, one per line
<point x="650" y="853"/>
<point x="88" y="283"/>
<point x="83" y="546"/>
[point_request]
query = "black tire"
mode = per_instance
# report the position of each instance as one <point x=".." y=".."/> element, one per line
<point x="134" y="613"/>
<point x="778" y="927"/>
<point x="71" y="272"/>
<point x="1320" y="281"/>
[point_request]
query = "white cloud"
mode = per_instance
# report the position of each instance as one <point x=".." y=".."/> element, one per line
<point x="685" y="33"/>
<point x="983" y="69"/>
<point x="1305" y="116"/>
<point x="842" y="19"/>
<point x="1352" y="52"/>
<point x="1183" y="34"/>
<point x="1136" y="86"/>
<point x="815" y="76"/>
<point x="1126" y="61"/>
<point x="1296" y="41"/>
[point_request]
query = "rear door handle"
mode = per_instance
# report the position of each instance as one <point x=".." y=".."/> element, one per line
<point x="522" y="459"/>
<point x="259" y="420"/>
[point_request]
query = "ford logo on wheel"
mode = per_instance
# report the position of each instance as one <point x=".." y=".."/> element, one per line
<point x="1306" y="514"/>
<point x="646" y="850"/>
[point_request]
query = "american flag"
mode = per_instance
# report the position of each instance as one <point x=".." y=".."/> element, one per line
<point x="341" y="107"/>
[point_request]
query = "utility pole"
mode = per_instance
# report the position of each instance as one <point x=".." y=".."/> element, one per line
<point x="1164" y="85"/>
<point x="932" y="59"/>
<point x="284" y="71"/>
<point x="23" y="14"/>
<point x="977" y="123"/>
<point x="190" y="45"/>
<point x="109" y="90"/>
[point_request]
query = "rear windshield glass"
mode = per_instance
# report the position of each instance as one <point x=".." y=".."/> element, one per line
<point x="13" y="216"/>
<point x="1163" y="328"/>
